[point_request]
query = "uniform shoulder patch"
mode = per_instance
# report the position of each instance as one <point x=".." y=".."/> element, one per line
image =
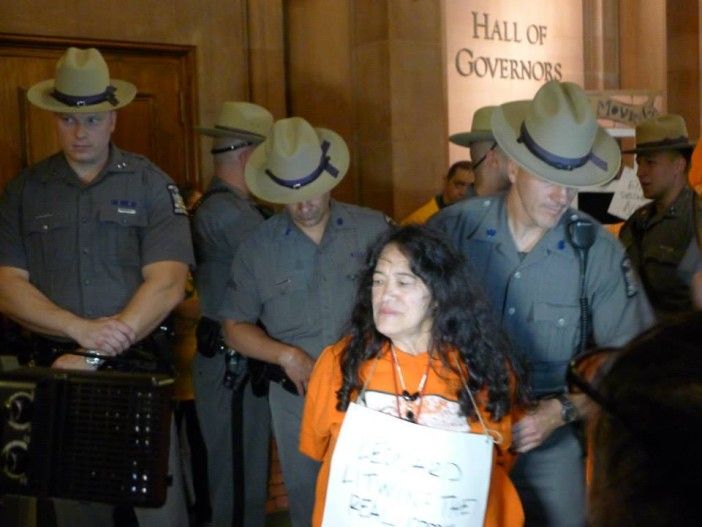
<point x="177" y="201"/>
<point x="629" y="277"/>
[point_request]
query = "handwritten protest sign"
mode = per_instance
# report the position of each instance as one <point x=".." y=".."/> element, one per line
<point x="628" y="195"/>
<point x="392" y="473"/>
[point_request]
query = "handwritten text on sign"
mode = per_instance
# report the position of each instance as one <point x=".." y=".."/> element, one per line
<point x="389" y="472"/>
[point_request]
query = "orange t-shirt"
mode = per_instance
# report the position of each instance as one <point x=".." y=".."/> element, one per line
<point x="695" y="175"/>
<point x="321" y="421"/>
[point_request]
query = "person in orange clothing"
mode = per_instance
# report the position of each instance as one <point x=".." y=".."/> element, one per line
<point x="695" y="174"/>
<point x="458" y="185"/>
<point x="421" y="333"/>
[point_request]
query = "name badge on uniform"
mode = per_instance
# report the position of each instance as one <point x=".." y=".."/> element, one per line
<point x="177" y="200"/>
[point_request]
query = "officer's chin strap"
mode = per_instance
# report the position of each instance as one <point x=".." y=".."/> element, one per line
<point x="581" y="234"/>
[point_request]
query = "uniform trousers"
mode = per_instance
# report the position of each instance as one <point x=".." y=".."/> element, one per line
<point x="174" y="512"/>
<point x="213" y="402"/>
<point x="550" y="481"/>
<point x="299" y="471"/>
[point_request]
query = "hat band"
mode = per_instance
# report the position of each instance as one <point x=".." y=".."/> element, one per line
<point x="88" y="100"/>
<point x="230" y="148"/>
<point x="681" y="142"/>
<point x="324" y="166"/>
<point x="556" y="161"/>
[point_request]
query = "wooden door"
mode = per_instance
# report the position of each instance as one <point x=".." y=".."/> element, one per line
<point x="158" y="124"/>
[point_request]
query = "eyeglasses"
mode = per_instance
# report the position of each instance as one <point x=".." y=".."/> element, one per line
<point x="477" y="163"/>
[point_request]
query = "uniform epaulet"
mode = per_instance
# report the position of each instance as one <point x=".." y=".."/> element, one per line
<point x="473" y="209"/>
<point x="463" y="218"/>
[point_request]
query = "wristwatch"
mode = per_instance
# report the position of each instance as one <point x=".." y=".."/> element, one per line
<point x="94" y="362"/>
<point x="569" y="412"/>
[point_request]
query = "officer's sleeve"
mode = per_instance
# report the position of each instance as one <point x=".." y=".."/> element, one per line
<point x="242" y="298"/>
<point x="167" y="235"/>
<point x="620" y="308"/>
<point x="442" y="221"/>
<point x="450" y="223"/>
<point x="11" y="246"/>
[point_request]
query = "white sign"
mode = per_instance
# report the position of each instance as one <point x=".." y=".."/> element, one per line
<point x="628" y="195"/>
<point x="388" y="472"/>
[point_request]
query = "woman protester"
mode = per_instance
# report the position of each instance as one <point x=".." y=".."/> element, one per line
<point x="423" y="349"/>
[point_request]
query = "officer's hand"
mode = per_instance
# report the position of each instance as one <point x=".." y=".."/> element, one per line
<point x="109" y="335"/>
<point x="298" y="366"/>
<point x="537" y="425"/>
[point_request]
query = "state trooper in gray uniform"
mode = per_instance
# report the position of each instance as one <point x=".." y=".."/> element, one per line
<point x="297" y="275"/>
<point x="223" y="218"/>
<point x="94" y="247"/>
<point x="527" y="247"/>
<point x="660" y="236"/>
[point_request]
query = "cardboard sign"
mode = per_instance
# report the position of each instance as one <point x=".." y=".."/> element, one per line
<point x="389" y="472"/>
<point x="628" y="195"/>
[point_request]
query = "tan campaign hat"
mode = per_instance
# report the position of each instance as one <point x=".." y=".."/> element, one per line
<point x="665" y="132"/>
<point x="480" y="129"/>
<point x="556" y="137"/>
<point x="82" y="85"/>
<point x="241" y="120"/>
<point x="296" y="162"/>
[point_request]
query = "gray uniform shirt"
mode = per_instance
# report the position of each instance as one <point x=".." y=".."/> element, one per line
<point x="302" y="292"/>
<point x="536" y="297"/>
<point x="663" y="249"/>
<point x="84" y="246"/>
<point x="219" y="226"/>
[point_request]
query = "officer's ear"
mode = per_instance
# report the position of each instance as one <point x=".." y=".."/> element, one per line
<point x="680" y="164"/>
<point x="512" y="170"/>
<point x="113" y="117"/>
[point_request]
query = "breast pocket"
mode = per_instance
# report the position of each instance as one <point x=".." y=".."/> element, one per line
<point x="665" y="256"/>
<point x="120" y="234"/>
<point x="50" y="240"/>
<point x="557" y="330"/>
<point x="285" y="303"/>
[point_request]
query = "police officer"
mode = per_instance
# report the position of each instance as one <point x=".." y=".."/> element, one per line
<point x="94" y="245"/>
<point x="489" y="161"/>
<point x="528" y="249"/>
<point x="660" y="236"/>
<point x="296" y="274"/>
<point x="224" y="216"/>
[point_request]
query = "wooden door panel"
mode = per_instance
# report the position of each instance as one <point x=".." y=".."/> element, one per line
<point x="135" y="127"/>
<point x="158" y="123"/>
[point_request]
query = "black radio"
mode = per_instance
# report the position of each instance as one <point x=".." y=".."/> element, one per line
<point x="94" y="436"/>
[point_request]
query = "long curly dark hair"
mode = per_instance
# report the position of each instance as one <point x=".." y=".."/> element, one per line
<point x="462" y="321"/>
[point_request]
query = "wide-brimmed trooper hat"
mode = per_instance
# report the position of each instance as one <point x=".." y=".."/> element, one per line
<point x="240" y="120"/>
<point x="296" y="162"/>
<point x="82" y="85"/>
<point x="665" y="132"/>
<point x="480" y="129"/>
<point x="556" y="137"/>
